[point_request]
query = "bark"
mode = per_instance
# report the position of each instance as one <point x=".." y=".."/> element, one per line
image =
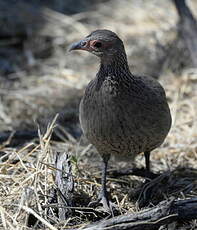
<point x="65" y="185"/>
<point x="164" y="213"/>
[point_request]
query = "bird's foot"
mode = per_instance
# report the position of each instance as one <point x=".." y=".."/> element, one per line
<point x="102" y="200"/>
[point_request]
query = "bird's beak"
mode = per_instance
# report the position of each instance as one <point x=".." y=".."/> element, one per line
<point x="81" y="45"/>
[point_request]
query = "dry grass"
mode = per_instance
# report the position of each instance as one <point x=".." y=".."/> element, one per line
<point x="27" y="172"/>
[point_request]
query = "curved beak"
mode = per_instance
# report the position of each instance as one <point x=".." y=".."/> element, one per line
<point x="81" y="45"/>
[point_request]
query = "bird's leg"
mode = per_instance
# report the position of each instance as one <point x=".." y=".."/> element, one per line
<point x="103" y="193"/>
<point x="103" y="198"/>
<point x="147" y="161"/>
<point x="147" y="189"/>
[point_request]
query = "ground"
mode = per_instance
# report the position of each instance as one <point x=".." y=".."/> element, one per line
<point x="43" y="85"/>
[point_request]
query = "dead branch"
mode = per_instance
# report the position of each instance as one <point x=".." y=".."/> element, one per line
<point x="65" y="185"/>
<point x="187" y="28"/>
<point x="164" y="213"/>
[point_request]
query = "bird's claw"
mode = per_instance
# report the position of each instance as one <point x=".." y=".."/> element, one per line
<point x="102" y="200"/>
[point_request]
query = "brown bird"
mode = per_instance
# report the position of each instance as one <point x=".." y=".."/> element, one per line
<point x="120" y="114"/>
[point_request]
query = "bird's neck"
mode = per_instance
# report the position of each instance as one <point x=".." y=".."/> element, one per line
<point x="116" y="66"/>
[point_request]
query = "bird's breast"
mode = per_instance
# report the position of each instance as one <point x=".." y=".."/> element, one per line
<point x="115" y="121"/>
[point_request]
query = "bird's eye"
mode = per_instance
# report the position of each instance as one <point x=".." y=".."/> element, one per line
<point x="98" y="44"/>
<point x="83" y="43"/>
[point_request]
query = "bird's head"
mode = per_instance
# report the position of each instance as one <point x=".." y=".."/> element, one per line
<point x="102" y="43"/>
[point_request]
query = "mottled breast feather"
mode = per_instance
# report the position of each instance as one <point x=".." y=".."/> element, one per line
<point x="125" y="117"/>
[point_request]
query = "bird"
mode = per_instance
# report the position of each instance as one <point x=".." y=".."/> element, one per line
<point x="120" y="113"/>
